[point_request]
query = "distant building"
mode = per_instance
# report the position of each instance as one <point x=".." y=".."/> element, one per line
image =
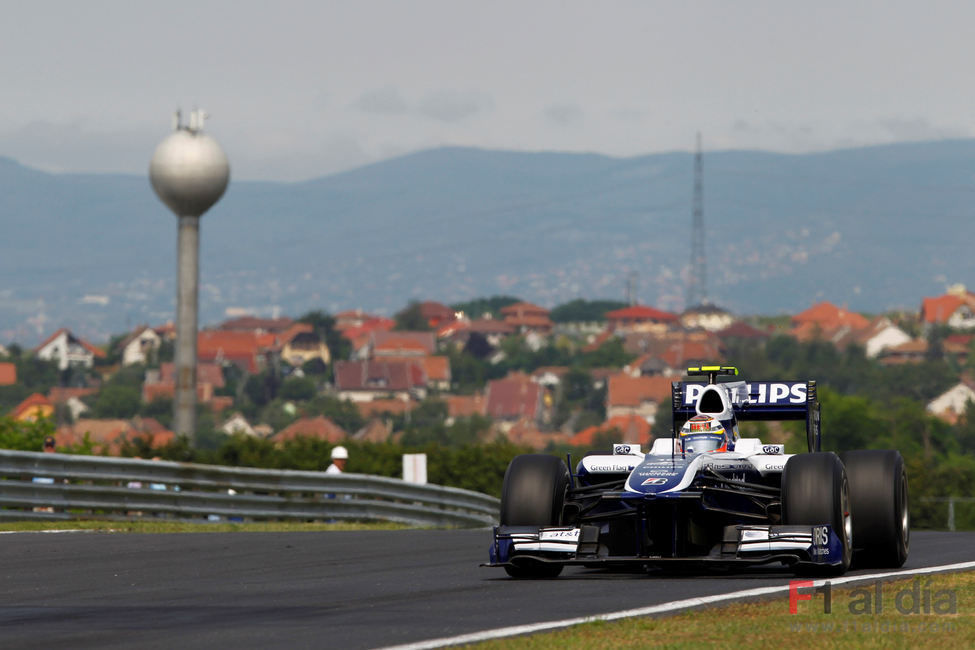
<point x="68" y="350"/>
<point x="952" y="404"/>
<point x="35" y="407"/>
<point x="514" y="398"/>
<point x="367" y="380"/>
<point x="435" y="314"/>
<point x="640" y="318"/>
<point x="640" y="396"/>
<point x="109" y="436"/>
<point x="237" y="423"/>
<point x="632" y="429"/>
<point x="140" y="346"/>
<point x="880" y="335"/>
<point x="955" y="309"/>
<point x="707" y="317"/>
<point x="256" y="325"/>
<point x="8" y="373"/>
<point x="300" y="344"/>
<point x="71" y="398"/>
<point x="913" y="351"/>
<point x="826" y="321"/>
<point x="162" y="382"/>
<point x="248" y="350"/>
<point x="526" y="317"/>
<point x="320" y="428"/>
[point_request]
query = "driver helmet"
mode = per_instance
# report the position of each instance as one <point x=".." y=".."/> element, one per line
<point x="703" y="433"/>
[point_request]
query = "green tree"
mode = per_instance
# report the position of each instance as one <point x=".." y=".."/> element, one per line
<point x="261" y="388"/>
<point x="298" y="389"/>
<point x="584" y="311"/>
<point x="427" y="424"/>
<point x="160" y="409"/>
<point x="323" y="324"/>
<point x="11" y="396"/>
<point x="411" y="319"/>
<point x="166" y="352"/>
<point x="117" y="401"/>
<point x="24" y="436"/>
<point x="38" y="375"/>
<point x="608" y="355"/>
<point x="482" y="307"/>
<point x="344" y="413"/>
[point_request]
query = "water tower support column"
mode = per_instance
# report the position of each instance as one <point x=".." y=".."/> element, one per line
<point x="187" y="301"/>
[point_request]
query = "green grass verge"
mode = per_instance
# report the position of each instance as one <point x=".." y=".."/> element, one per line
<point x="189" y="527"/>
<point x="768" y="623"/>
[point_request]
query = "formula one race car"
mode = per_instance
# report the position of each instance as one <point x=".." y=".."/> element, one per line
<point x="706" y="497"/>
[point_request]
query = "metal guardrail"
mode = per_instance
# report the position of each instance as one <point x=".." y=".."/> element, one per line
<point x="62" y="486"/>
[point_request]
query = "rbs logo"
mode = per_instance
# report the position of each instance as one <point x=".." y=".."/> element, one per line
<point x="820" y="536"/>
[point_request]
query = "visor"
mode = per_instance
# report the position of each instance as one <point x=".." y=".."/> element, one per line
<point x="703" y="442"/>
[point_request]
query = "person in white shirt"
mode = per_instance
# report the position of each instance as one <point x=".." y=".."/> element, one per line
<point x="339" y="457"/>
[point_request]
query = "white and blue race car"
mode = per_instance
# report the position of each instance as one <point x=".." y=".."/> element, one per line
<point x="708" y="497"/>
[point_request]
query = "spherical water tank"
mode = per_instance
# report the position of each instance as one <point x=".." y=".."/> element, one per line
<point x="189" y="172"/>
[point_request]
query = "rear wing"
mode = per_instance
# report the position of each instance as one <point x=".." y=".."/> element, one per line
<point x="756" y="400"/>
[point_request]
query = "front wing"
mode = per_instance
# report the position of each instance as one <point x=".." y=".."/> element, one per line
<point x="740" y="545"/>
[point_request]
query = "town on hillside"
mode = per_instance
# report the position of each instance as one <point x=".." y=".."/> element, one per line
<point x="495" y="368"/>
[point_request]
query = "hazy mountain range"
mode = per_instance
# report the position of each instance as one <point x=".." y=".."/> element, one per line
<point x="876" y="228"/>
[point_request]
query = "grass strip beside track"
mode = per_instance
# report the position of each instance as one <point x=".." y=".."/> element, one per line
<point x="853" y="621"/>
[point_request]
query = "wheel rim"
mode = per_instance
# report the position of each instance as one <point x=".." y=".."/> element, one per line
<point x="905" y="512"/>
<point x="847" y="517"/>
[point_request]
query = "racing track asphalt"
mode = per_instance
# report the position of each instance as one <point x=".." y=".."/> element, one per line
<point x="315" y="590"/>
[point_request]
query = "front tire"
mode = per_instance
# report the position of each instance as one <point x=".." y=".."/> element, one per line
<point x="815" y="490"/>
<point x="881" y="516"/>
<point x="533" y="494"/>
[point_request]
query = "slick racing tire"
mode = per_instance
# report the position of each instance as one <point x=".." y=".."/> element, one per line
<point x="878" y="501"/>
<point x="533" y="494"/>
<point x="815" y="490"/>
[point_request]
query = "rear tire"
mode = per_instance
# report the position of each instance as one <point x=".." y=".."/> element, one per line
<point x="533" y="494"/>
<point x="879" y="502"/>
<point x="815" y="490"/>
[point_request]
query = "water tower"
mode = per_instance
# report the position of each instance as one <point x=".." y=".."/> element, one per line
<point x="189" y="172"/>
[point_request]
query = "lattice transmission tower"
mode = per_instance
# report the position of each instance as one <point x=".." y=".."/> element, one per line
<point x="697" y="282"/>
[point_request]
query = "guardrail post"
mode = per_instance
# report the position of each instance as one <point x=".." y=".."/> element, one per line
<point x="951" y="514"/>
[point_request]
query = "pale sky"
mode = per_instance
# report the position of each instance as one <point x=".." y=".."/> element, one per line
<point x="301" y="89"/>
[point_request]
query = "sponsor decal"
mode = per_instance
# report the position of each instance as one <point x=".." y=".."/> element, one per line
<point x="726" y="466"/>
<point x="561" y="535"/>
<point x="820" y="535"/>
<point x="626" y="450"/>
<point x="657" y="473"/>
<point x="774" y="466"/>
<point x="772" y="449"/>
<point x="608" y="467"/>
<point x="763" y="392"/>
<point x="655" y="481"/>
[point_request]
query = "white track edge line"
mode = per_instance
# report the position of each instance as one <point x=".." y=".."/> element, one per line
<point x="516" y="630"/>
